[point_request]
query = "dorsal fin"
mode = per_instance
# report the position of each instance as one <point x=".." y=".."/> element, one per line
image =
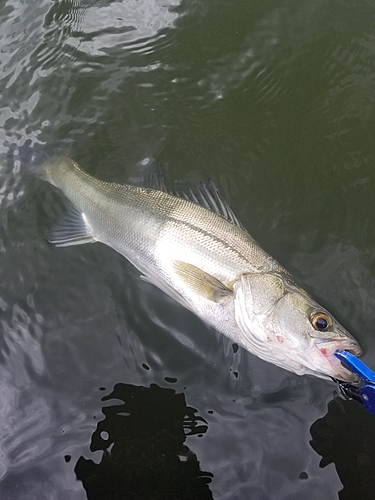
<point x="153" y="177"/>
<point x="208" y="196"/>
<point x="205" y="194"/>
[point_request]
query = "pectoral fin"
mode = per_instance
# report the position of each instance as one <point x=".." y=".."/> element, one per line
<point x="204" y="284"/>
<point x="72" y="229"/>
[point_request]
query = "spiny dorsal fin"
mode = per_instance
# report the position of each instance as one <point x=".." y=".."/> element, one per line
<point x="208" y="196"/>
<point x="205" y="194"/>
<point x="153" y="177"/>
<point x="156" y="178"/>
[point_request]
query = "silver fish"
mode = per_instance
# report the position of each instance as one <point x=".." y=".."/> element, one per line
<point x="202" y="257"/>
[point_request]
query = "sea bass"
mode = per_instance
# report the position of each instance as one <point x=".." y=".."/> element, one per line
<point x="194" y="249"/>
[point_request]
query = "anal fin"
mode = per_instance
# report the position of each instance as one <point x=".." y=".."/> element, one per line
<point x="72" y="229"/>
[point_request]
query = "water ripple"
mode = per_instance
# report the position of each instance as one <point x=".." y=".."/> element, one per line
<point x="275" y="101"/>
<point x="352" y="77"/>
<point x="25" y="415"/>
<point x="54" y="53"/>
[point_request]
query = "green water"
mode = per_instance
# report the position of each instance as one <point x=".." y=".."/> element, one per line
<point x="275" y="101"/>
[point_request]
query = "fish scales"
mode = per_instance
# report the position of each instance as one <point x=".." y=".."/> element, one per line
<point x="208" y="264"/>
<point x="139" y="218"/>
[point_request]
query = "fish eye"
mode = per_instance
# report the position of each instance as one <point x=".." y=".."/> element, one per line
<point x="321" y="321"/>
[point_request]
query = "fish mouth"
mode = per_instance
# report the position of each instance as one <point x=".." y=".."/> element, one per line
<point x="338" y="370"/>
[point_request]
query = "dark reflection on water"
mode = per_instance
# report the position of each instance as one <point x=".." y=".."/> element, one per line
<point x="144" y="455"/>
<point x="275" y="101"/>
<point x="345" y="436"/>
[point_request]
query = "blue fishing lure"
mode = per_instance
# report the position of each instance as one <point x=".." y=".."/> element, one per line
<point x="364" y="391"/>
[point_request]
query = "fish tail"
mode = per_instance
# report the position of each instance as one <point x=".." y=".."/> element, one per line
<point x="42" y="165"/>
<point x="36" y="161"/>
<point x="45" y="163"/>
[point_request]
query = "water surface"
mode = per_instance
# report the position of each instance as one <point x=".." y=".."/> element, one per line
<point x="108" y="389"/>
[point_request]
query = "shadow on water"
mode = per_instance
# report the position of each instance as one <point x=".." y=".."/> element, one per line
<point x="345" y="436"/>
<point x="144" y="455"/>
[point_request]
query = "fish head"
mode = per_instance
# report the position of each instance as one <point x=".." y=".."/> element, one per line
<point x="282" y="324"/>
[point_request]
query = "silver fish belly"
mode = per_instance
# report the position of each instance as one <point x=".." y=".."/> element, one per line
<point x="206" y="262"/>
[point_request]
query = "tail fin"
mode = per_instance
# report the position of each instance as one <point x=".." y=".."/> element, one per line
<point x="41" y="163"/>
<point x="35" y="160"/>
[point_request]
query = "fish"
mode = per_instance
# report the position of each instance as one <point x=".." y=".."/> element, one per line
<point x="191" y="246"/>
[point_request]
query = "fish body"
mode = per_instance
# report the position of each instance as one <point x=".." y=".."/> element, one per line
<point x="206" y="262"/>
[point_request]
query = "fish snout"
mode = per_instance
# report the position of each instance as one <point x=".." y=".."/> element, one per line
<point x="338" y="370"/>
<point x="328" y="348"/>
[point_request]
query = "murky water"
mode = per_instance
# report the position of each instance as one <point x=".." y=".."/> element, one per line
<point x="110" y="390"/>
